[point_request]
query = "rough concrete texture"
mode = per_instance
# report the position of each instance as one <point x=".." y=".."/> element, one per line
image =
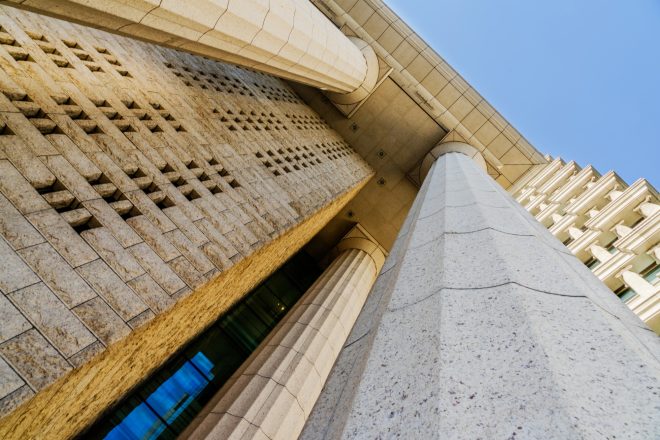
<point x="130" y="176"/>
<point x="482" y="325"/>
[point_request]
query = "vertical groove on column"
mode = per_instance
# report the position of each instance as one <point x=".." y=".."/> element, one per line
<point x="329" y="415"/>
<point x="482" y="325"/>
<point x="278" y="388"/>
<point x="291" y="39"/>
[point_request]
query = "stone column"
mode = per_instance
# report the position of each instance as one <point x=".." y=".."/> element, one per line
<point x="637" y="283"/>
<point x="483" y="325"/>
<point x="291" y="39"/>
<point x="278" y="386"/>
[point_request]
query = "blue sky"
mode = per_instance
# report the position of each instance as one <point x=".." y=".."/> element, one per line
<point x="579" y="79"/>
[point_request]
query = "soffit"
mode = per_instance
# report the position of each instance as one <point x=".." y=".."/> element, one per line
<point x="435" y="87"/>
<point x="393" y="134"/>
<point x="422" y="100"/>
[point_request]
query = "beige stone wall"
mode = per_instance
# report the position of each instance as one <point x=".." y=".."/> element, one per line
<point x="131" y="175"/>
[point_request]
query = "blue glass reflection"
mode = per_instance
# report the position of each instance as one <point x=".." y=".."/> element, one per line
<point x="203" y="364"/>
<point x="167" y="402"/>
<point x="141" y="423"/>
<point x="164" y="405"/>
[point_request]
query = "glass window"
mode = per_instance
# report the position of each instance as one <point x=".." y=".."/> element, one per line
<point x="303" y="271"/>
<point x="625" y="293"/>
<point x="591" y="263"/>
<point x="177" y="393"/>
<point x="135" y="420"/>
<point x="652" y="273"/>
<point x="221" y="355"/>
<point x="610" y="246"/>
<point x="165" y="404"/>
<point x="141" y="423"/>
<point x="284" y="289"/>
<point x="245" y="327"/>
<point x="266" y="305"/>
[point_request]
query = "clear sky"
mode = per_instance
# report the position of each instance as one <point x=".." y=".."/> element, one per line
<point x="579" y="79"/>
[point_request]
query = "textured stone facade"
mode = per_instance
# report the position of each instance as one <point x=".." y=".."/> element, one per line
<point x="130" y="176"/>
<point x="482" y="325"/>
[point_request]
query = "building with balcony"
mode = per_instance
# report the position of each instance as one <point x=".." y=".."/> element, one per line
<point x="612" y="227"/>
<point x="293" y="219"/>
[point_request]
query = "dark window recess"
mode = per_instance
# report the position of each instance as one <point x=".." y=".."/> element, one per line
<point x="167" y="402"/>
<point x="5" y="130"/>
<point x="164" y="202"/>
<point x="625" y="293"/>
<point x="192" y="195"/>
<point x="591" y="263"/>
<point x="33" y="113"/>
<point x="59" y="198"/>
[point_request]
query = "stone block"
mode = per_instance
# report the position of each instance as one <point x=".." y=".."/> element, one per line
<point x="15" y="228"/>
<point x="26" y="162"/>
<point x="86" y="354"/>
<point x="154" y="238"/>
<point x="151" y="293"/>
<point x="57" y="274"/>
<point x="9" y="380"/>
<point x="142" y="319"/>
<point x="113" y="253"/>
<point x="34" y="358"/>
<point x="109" y="286"/>
<point x="102" y="320"/>
<point x="53" y="319"/>
<point x="14" y="399"/>
<point x="107" y="216"/>
<point x="193" y="254"/>
<point x="14" y="273"/>
<point x="66" y="241"/>
<point x="13" y="322"/>
<point x="19" y="191"/>
<point x="186" y="271"/>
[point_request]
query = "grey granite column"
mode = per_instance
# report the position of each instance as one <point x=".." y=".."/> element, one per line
<point x="483" y="326"/>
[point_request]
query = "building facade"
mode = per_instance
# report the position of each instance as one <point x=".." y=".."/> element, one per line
<point x="293" y="219"/>
<point x="613" y="227"/>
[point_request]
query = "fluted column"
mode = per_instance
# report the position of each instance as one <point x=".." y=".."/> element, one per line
<point x="483" y="325"/>
<point x="278" y="386"/>
<point x="288" y="38"/>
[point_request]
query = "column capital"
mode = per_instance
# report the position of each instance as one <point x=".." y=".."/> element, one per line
<point x="370" y="79"/>
<point x="449" y="147"/>
<point x="358" y="238"/>
<point x="365" y="245"/>
<point x="457" y="315"/>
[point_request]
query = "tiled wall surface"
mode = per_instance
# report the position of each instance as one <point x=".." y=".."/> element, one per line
<point x="130" y="175"/>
